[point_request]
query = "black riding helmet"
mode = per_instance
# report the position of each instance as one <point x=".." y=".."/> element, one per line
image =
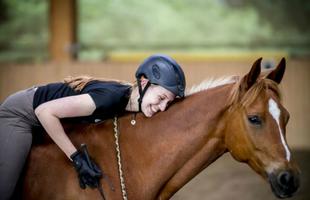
<point x="161" y="70"/>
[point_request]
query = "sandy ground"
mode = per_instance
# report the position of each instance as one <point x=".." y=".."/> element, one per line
<point x="227" y="179"/>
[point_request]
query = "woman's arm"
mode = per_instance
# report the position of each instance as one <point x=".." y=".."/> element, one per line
<point x="50" y="112"/>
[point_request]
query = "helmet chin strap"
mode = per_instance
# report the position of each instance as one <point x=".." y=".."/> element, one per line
<point x="142" y="92"/>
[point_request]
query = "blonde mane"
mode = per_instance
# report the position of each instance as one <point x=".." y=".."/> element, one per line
<point x="246" y="98"/>
<point x="211" y="83"/>
<point x="238" y="97"/>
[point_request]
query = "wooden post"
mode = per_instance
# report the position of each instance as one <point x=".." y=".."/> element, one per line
<point x="63" y="30"/>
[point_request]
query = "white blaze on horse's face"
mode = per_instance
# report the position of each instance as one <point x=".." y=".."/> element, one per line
<point x="276" y="113"/>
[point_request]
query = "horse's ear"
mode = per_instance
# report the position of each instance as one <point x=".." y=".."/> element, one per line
<point x="249" y="79"/>
<point x="277" y="74"/>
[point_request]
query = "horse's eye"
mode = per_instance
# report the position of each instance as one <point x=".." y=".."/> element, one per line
<point x="255" y="120"/>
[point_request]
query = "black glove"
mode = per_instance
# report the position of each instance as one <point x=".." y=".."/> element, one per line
<point x="88" y="172"/>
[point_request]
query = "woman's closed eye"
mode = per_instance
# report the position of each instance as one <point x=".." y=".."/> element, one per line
<point x="161" y="98"/>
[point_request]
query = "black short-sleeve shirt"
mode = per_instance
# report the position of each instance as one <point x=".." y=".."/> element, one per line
<point x="109" y="97"/>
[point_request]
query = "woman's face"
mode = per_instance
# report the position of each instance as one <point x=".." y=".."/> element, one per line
<point x="156" y="99"/>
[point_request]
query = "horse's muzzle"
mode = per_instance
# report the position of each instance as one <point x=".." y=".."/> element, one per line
<point x="284" y="183"/>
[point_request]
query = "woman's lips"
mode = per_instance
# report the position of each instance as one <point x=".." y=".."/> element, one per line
<point x="152" y="111"/>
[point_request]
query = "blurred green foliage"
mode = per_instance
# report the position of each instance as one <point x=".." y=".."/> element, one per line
<point x="107" y="25"/>
<point x="23" y="30"/>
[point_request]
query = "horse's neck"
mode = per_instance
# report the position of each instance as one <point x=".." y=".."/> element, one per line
<point x="172" y="147"/>
<point x="205" y="137"/>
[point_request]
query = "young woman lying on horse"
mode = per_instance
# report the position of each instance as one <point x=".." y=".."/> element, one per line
<point x="159" y="81"/>
<point x="243" y="116"/>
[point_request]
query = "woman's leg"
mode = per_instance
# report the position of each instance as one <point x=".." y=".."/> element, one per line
<point x="16" y="120"/>
<point x="15" y="144"/>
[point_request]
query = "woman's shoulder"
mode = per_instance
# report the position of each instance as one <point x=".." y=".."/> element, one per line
<point x="53" y="84"/>
<point x="108" y="95"/>
<point x="112" y="86"/>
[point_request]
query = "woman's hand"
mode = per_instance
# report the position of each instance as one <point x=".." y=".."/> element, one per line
<point x="88" y="172"/>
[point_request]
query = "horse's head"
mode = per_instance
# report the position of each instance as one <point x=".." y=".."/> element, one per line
<point x="255" y="129"/>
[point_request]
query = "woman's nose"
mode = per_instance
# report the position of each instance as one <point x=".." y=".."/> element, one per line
<point x="163" y="106"/>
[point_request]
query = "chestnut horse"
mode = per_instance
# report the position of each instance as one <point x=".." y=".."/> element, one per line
<point x="161" y="154"/>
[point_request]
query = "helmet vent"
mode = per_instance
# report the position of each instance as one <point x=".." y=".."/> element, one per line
<point x="156" y="71"/>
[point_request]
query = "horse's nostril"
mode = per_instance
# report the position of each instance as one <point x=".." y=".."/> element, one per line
<point x="285" y="179"/>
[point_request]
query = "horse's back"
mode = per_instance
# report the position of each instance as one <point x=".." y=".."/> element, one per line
<point x="47" y="170"/>
<point x="49" y="174"/>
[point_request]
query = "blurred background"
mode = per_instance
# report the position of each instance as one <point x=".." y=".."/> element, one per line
<point x="43" y="41"/>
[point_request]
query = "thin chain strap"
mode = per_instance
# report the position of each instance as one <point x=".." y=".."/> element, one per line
<point x="121" y="177"/>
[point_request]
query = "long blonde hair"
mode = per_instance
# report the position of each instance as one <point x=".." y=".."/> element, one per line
<point x="78" y="83"/>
